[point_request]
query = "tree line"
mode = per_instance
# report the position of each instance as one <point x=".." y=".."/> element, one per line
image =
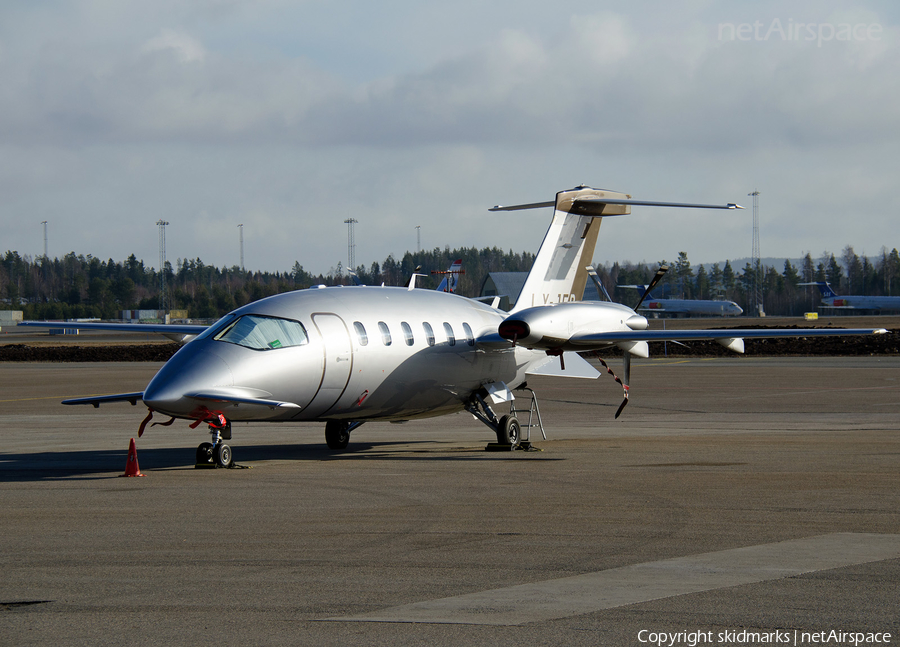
<point x="781" y="289"/>
<point x="78" y="286"/>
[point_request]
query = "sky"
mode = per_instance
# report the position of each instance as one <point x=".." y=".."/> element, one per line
<point x="291" y="117"/>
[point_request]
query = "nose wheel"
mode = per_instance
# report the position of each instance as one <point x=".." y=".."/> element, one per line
<point x="216" y="453"/>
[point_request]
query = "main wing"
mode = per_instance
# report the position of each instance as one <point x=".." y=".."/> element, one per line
<point x="581" y="326"/>
<point x="598" y="339"/>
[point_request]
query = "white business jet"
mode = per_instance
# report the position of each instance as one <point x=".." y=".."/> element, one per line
<point x="345" y="356"/>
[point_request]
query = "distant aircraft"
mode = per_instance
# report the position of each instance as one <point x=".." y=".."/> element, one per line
<point x="344" y="356"/>
<point x="451" y="278"/>
<point x="448" y="284"/>
<point x="688" y="307"/>
<point x="854" y="302"/>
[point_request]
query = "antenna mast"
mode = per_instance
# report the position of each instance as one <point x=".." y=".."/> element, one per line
<point x="351" y="244"/>
<point x="241" y="227"/>
<point x="756" y="300"/>
<point x="163" y="300"/>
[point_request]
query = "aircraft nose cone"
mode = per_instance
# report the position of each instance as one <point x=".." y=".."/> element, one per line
<point x="186" y="373"/>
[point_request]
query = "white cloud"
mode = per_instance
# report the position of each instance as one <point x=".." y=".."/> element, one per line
<point x="185" y="48"/>
<point x="246" y="113"/>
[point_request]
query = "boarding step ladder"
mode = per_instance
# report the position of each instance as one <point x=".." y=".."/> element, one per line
<point x="534" y="414"/>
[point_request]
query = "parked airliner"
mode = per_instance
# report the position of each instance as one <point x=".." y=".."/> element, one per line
<point x="345" y="356"/>
<point x="854" y="302"/>
<point x="687" y="307"/>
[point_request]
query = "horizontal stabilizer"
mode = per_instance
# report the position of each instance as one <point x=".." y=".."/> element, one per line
<point x="824" y="288"/>
<point x="598" y="201"/>
<point x="576" y="366"/>
<point x="97" y="400"/>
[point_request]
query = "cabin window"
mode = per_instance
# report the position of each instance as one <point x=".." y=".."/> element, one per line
<point x="470" y="338"/>
<point x="361" y="333"/>
<point x="407" y="333"/>
<point x="451" y="338"/>
<point x="429" y="333"/>
<point x="264" y="333"/>
<point x="385" y="333"/>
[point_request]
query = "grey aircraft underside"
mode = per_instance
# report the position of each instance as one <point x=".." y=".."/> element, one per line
<point x="348" y="355"/>
<point x="688" y="307"/>
<point x="702" y="307"/>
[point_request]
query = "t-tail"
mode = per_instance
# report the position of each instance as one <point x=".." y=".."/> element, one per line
<point x="824" y="288"/>
<point x="559" y="272"/>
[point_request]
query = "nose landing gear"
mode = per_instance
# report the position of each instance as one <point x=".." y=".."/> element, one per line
<point x="216" y="453"/>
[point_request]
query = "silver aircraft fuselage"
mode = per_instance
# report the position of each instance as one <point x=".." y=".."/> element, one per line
<point x="359" y="353"/>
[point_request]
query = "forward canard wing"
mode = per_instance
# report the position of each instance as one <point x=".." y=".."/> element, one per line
<point x="97" y="400"/>
<point x="181" y="333"/>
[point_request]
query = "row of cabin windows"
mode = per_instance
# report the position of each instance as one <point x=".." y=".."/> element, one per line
<point x="408" y="336"/>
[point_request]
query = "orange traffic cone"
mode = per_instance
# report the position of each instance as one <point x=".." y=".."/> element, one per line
<point x="131" y="467"/>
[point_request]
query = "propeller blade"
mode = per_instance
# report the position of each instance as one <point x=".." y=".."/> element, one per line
<point x="661" y="272"/>
<point x="619" y="380"/>
<point x="601" y="290"/>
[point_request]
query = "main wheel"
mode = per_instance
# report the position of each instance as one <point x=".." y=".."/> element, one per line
<point x="204" y="454"/>
<point x="508" y="431"/>
<point x="223" y="455"/>
<point x="336" y="434"/>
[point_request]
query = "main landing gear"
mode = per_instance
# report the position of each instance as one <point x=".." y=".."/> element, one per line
<point x="216" y="453"/>
<point x="509" y="431"/>
<point x="507" y="427"/>
<point x="337" y="433"/>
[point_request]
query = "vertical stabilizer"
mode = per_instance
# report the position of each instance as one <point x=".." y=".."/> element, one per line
<point x="826" y="290"/>
<point x="558" y="274"/>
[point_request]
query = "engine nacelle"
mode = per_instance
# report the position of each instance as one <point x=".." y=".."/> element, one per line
<point x="551" y="327"/>
<point x="636" y="348"/>
<point x="735" y="344"/>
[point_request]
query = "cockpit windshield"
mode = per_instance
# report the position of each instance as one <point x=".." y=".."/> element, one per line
<point x="264" y="333"/>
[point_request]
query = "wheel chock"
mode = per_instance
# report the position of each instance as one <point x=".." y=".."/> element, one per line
<point x="131" y="465"/>
<point x="524" y="446"/>
<point x="499" y="447"/>
<point x="213" y="466"/>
